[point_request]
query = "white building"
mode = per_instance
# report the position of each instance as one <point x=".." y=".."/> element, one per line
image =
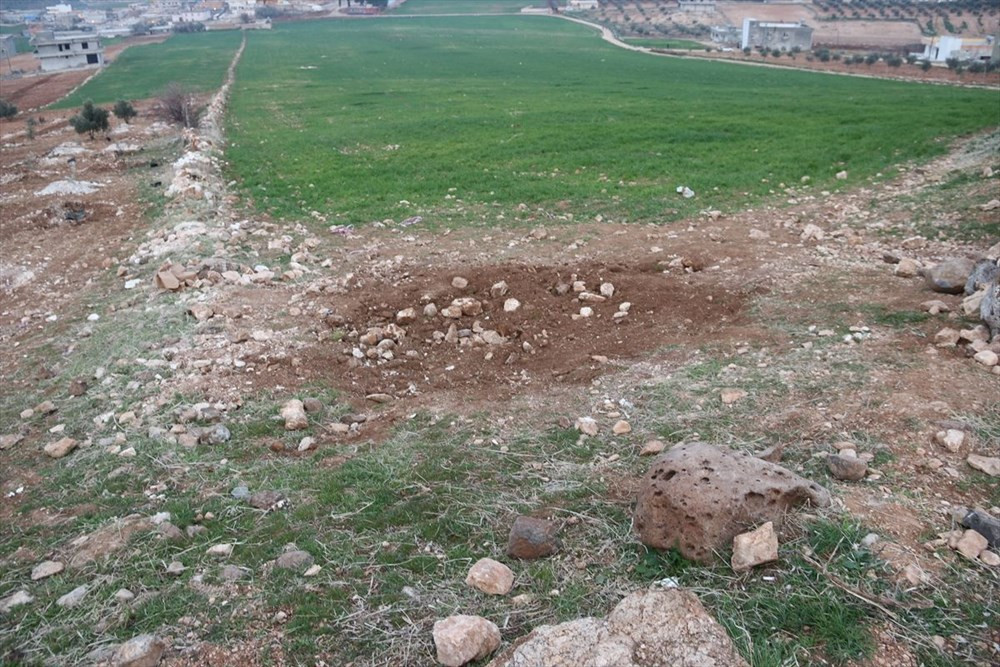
<point x="775" y="35"/>
<point x="941" y="48"/>
<point x="582" y="5"/>
<point x="192" y="17"/>
<point x="68" y="50"/>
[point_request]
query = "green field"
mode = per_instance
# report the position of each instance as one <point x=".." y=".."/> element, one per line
<point x="198" y="61"/>
<point x="654" y="43"/>
<point x="465" y="6"/>
<point x="467" y="117"/>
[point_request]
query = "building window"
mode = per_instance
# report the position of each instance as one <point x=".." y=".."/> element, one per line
<point x="84" y="46"/>
<point x="91" y="58"/>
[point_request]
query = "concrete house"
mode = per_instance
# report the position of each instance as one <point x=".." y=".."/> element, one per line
<point x="939" y="49"/>
<point x="697" y="6"/>
<point x="773" y="35"/>
<point x="68" y="50"/>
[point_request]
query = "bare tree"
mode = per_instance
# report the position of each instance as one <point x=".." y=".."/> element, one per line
<point x="177" y="105"/>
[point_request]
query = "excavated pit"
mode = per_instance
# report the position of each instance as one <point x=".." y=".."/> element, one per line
<point x="544" y="341"/>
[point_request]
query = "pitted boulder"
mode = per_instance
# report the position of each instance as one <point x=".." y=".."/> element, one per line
<point x="653" y="628"/>
<point x="697" y="497"/>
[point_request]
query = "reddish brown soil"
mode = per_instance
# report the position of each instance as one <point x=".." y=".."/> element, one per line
<point x="665" y="310"/>
<point x="35" y="90"/>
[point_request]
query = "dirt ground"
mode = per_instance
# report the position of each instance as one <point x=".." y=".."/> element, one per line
<point x="306" y="306"/>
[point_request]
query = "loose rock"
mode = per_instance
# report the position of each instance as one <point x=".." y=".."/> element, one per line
<point x="46" y="569"/>
<point x="971" y="544"/>
<point x="73" y="598"/>
<point x="61" y="448"/>
<point x="532" y="538"/>
<point x="849" y="468"/>
<point x="907" y="268"/>
<point x="294" y="414"/>
<point x="587" y="426"/>
<point x="294" y="559"/>
<point x="652" y="448"/>
<point x="951" y="439"/>
<point x="461" y="639"/>
<point x="754" y="548"/>
<point x="141" y="651"/>
<point x="13" y="600"/>
<point x="490" y="577"/>
<point x="987" y="464"/>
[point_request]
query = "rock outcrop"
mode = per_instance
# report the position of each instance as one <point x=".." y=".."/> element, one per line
<point x="652" y="628"/>
<point x="698" y="497"/>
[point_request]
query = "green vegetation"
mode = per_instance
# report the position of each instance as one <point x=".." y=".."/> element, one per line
<point x="464" y="118"/>
<point x="7" y="110"/>
<point x="199" y="61"/>
<point x="123" y="109"/>
<point x="466" y="6"/>
<point x="666" y="43"/>
<point x="91" y="119"/>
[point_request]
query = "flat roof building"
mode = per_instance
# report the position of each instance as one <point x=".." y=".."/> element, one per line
<point x="68" y="50"/>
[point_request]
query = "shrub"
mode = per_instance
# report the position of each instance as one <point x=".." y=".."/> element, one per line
<point x="29" y="127"/>
<point x="123" y="109"/>
<point x="91" y="119"/>
<point x="871" y="59"/>
<point x="925" y="65"/>
<point x="893" y="61"/>
<point x="977" y="66"/>
<point x="177" y="105"/>
<point x="7" y="110"/>
<point x="189" y="26"/>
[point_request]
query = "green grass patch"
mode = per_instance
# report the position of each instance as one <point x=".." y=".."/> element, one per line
<point x="465" y="6"/>
<point x="665" y="43"/>
<point x="461" y="119"/>
<point x="197" y="61"/>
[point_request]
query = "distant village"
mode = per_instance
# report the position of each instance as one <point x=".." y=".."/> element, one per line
<point x="64" y="36"/>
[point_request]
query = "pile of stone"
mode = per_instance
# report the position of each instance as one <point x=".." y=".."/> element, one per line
<point x="979" y="283"/>
<point x="379" y="343"/>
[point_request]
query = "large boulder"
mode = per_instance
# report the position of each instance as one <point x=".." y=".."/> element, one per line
<point x="989" y="307"/>
<point x="652" y="628"/>
<point x="950" y="275"/>
<point x="983" y="274"/>
<point x="697" y="497"/>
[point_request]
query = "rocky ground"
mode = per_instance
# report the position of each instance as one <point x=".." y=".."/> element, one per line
<point x="228" y="439"/>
